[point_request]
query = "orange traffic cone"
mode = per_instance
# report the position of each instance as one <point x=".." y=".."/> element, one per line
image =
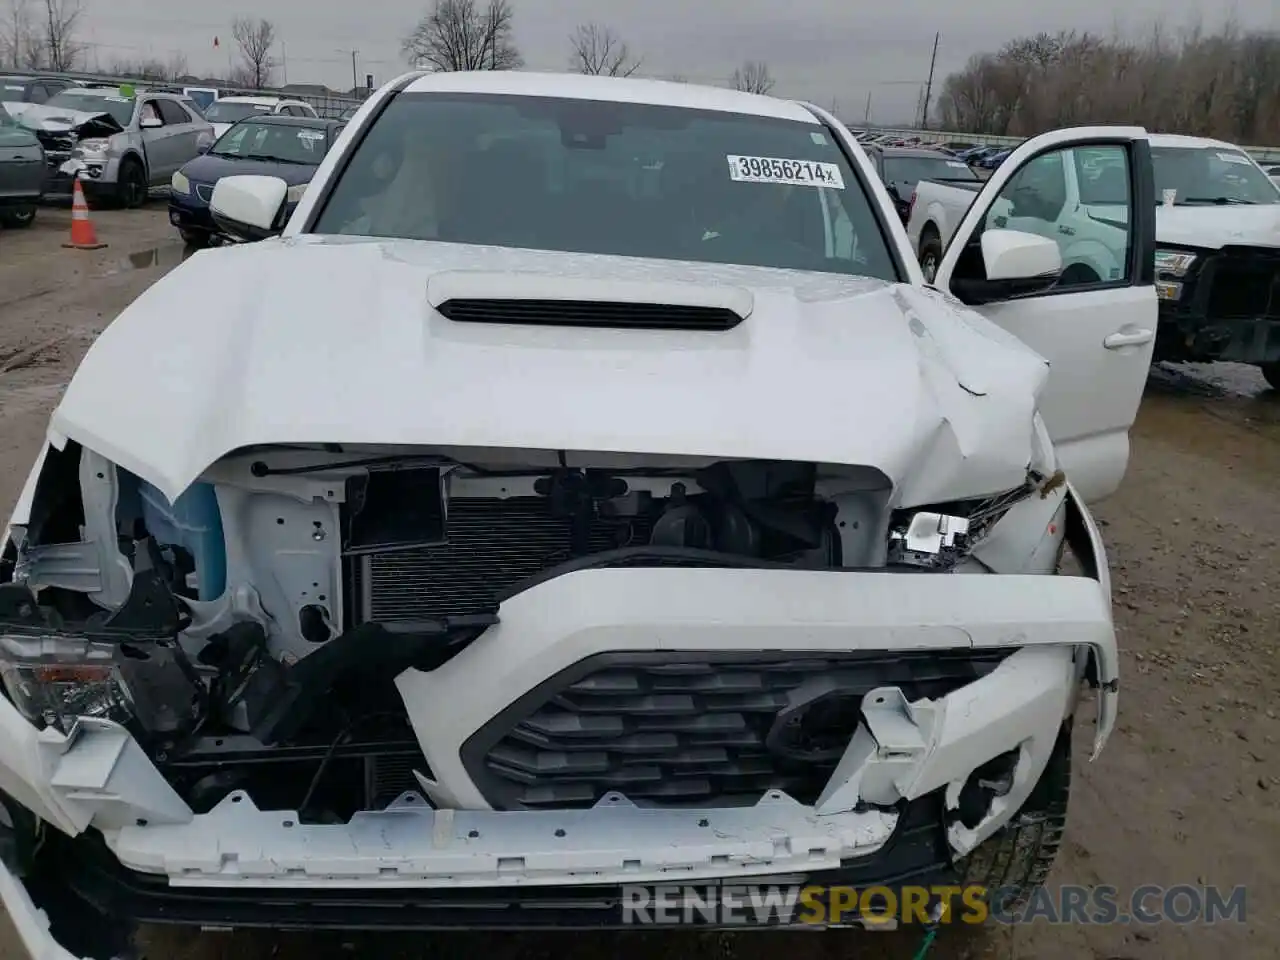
<point x="83" y="236"/>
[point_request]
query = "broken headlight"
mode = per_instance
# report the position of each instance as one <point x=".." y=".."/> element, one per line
<point x="939" y="537"/>
<point x="53" y="680"/>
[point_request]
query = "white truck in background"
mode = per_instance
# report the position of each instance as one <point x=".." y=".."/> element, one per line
<point x="1217" y="235"/>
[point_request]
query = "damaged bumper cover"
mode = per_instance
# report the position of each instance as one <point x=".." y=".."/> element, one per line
<point x="447" y="836"/>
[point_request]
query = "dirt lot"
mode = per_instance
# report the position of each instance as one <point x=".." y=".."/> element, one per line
<point x="1185" y="794"/>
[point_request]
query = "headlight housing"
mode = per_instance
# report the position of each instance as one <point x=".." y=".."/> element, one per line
<point x="95" y="148"/>
<point x="54" y="680"/>
<point x="1174" y="263"/>
<point x="54" y="676"/>
<point x="180" y="184"/>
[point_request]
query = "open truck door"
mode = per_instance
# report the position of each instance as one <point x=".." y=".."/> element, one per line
<point x="1091" y="312"/>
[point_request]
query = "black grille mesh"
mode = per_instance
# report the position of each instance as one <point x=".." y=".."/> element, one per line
<point x="1245" y="284"/>
<point x="695" y="729"/>
<point x="493" y="543"/>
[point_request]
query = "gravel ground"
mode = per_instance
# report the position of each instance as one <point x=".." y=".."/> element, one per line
<point x="1186" y="793"/>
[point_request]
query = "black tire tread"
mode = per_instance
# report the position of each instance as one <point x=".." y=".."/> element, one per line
<point x="1021" y="854"/>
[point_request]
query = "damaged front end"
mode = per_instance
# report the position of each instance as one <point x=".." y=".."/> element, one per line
<point x="65" y="135"/>
<point x="390" y="668"/>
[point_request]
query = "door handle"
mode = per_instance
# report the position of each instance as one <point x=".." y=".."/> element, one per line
<point x="1135" y="339"/>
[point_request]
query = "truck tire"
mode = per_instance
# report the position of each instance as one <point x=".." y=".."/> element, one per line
<point x="18" y="217"/>
<point x="1272" y="372"/>
<point x="1018" y="858"/>
<point x="930" y="252"/>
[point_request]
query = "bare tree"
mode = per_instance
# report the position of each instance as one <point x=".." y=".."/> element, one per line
<point x="753" y="77"/>
<point x="461" y="35"/>
<point x="57" y="34"/>
<point x="16" y="38"/>
<point x="1224" y="85"/>
<point x="598" y="50"/>
<point x="256" y="39"/>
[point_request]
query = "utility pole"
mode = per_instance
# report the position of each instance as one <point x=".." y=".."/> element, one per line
<point x="284" y="65"/>
<point x="355" y="79"/>
<point x="928" y="90"/>
<point x="866" y="118"/>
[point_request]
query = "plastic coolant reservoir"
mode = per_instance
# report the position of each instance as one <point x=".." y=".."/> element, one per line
<point x="195" y="524"/>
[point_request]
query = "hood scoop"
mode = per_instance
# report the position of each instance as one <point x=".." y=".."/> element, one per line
<point x="539" y="300"/>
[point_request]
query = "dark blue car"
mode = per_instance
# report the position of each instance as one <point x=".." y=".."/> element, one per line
<point x="290" y="148"/>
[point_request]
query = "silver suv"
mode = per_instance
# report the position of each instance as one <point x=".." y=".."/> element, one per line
<point x="122" y="142"/>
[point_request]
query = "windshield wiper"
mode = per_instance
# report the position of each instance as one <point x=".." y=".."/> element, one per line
<point x="1218" y="201"/>
<point x="269" y="159"/>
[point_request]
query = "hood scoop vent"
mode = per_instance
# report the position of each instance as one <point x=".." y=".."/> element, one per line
<point x="591" y="313"/>
<point x="568" y="300"/>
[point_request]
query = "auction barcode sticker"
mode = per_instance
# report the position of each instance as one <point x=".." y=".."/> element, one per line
<point x="797" y="173"/>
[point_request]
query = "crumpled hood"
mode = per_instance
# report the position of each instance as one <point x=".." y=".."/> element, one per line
<point x="314" y="340"/>
<point x="1214" y="227"/>
<point x="60" y="120"/>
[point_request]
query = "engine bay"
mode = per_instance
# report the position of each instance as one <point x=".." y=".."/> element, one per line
<point x="250" y="634"/>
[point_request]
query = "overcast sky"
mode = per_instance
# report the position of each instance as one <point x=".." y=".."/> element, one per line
<point x="821" y="50"/>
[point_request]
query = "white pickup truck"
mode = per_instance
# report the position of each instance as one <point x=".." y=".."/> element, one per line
<point x="583" y="489"/>
<point x="1217" y="231"/>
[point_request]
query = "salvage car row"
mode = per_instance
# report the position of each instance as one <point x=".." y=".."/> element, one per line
<point x="123" y="143"/>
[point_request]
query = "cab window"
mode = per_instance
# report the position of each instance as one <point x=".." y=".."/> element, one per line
<point x="1092" y="228"/>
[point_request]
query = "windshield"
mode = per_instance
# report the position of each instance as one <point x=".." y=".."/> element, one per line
<point x="1200" y="175"/>
<point x="610" y="178"/>
<point x="915" y="169"/>
<point x="12" y="91"/>
<point x="120" y="108"/>
<point x="222" y="111"/>
<point x="256" y="140"/>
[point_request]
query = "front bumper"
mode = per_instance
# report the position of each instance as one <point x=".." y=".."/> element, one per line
<point x="1227" y="308"/>
<point x="188" y="214"/>
<point x="99" y="783"/>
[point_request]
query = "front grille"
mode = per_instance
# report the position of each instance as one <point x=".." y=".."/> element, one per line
<point x="1244" y="284"/>
<point x="492" y="544"/>
<point x="590" y="313"/>
<point x="205" y="192"/>
<point x="695" y="729"/>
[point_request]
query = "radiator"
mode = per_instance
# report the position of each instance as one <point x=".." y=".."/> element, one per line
<point x="492" y="544"/>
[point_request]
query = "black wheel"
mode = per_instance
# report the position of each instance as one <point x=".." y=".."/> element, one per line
<point x="18" y="217"/>
<point x="196" y="239"/>
<point x="930" y="253"/>
<point x="1078" y="273"/>
<point x="1272" y="372"/>
<point x="1018" y="858"/>
<point x="131" y="188"/>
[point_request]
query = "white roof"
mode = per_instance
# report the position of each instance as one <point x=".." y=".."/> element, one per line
<point x="576" y="86"/>
<point x="260" y="101"/>
<point x="1178" y="140"/>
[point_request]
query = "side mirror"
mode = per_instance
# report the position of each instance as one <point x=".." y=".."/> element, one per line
<point x="249" y="207"/>
<point x="1014" y="263"/>
<point x="150" y="123"/>
<point x="204" y="146"/>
